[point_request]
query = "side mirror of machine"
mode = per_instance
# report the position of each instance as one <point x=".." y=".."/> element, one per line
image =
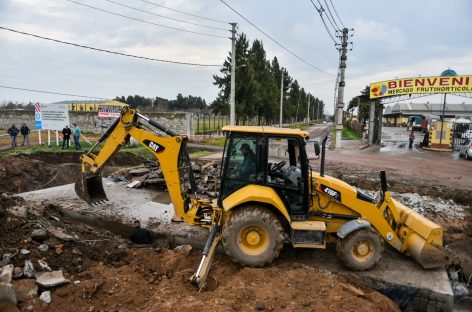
<point x="316" y="148"/>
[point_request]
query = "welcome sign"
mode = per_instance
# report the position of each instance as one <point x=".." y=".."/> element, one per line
<point x="421" y="85"/>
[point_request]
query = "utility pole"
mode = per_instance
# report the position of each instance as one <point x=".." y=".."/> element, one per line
<point x="232" y="102"/>
<point x="308" y="109"/>
<point x="340" y="101"/>
<point x="281" y="98"/>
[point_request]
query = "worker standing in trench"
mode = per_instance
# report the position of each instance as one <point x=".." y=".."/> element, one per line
<point x="140" y="235"/>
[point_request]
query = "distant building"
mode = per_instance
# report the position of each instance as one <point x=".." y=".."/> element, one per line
<point x="397" y="115"/>
<point x="89" y="106"/>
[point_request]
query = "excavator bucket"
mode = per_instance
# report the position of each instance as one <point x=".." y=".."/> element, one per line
<point x="422" y="238"/>
<point x="90" y="188"/>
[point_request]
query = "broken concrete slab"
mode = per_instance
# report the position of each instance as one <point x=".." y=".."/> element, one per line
<point x="7" y="294"/>
<point x="6" y="273"/>
<point x="39" y="235"/>
<point x="26" y="289"/>
<point x="61" y="235"/>
<point x="51" y="279"/>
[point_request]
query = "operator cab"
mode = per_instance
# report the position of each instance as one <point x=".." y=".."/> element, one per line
<point x="270" y="157"/>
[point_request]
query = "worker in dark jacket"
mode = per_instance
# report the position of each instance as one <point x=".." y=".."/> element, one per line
<point x="25" y="131"/>
<point x="13" y="132"/>
<point x="66" y="136"/>
<point x="140" y="235"/>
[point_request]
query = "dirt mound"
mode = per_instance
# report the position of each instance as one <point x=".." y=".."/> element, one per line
<point x="23" y="173"/>
<point x="159" y="281"/>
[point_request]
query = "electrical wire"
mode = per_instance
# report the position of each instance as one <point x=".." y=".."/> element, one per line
<point x="189" y="14"/>
<point x="163" y="16"/>
<point x="143" y="21"/>
<point x="320" y="11"/>
<point x="327" y="16"/>
<point x="109" y="51"/>
<point x="332" y="17"/>
<point x="275" y="41"/>
<point x="336" y="13"/>
<point x="50" y="92"/>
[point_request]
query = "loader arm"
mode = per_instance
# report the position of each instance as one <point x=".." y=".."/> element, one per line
<point x="170" y="151"/>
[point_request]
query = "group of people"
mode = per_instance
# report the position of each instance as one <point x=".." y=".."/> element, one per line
<point x="66" y="132"/>
<point x="13" y="131"/>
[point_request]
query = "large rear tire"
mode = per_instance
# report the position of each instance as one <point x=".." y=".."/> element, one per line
<point x="361" y="250"/>
<point x="253" y="236"/>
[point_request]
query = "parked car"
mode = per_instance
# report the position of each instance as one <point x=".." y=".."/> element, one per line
<point x="466" y="149"/>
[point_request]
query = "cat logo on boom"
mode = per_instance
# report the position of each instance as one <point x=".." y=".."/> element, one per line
<point x="154" y="146"/>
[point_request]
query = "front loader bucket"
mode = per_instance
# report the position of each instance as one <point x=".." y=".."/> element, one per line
<point x="90" y="188"/>
<point x="422" y="238"/>
<point x="427" y="255"/>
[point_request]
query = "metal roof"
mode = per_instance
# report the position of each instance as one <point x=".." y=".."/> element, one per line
<point x="266" y="130"/>
<point x="428" y="108"/>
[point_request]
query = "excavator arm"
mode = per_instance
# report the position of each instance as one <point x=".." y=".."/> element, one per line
<point x="171" y="152"/>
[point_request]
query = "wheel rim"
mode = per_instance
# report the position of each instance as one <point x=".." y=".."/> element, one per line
<point x="253" y="240"/>
<point x="363" y="250"/>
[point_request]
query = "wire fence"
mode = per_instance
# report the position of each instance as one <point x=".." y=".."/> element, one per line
<point x="212" y="124"/>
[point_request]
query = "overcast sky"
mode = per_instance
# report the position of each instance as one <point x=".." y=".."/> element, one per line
<point x="391" y="39"/>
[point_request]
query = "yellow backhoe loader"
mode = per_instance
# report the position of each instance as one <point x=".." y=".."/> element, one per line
<point x="269" y="195"/>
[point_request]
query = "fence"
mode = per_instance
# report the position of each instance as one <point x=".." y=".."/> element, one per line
<point x="212" y="124"/>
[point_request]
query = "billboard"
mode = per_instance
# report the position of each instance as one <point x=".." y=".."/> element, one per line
<point x="421" y="85"/>
<point x="51" y="116"/>
<point x="109" y="111"/>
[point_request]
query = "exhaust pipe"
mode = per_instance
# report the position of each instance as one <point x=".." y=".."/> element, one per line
<point x="323" y="150"/>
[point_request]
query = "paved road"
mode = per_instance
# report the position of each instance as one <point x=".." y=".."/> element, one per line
<point x="395" y="156"/>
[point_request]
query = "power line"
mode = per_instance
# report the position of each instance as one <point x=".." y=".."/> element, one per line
<point x="57" y="93"/>
<point x="189" y="14"/>
<point x="336" y="13"/>
<point x="143" y="21"/>
<point x="275" y="41"/>
<point x="163" y="16"/>
<point x="320" y="11"/>
<point x="327" y="16"/>
<point x="108" y="51"/>
<point x="330" y="14"/>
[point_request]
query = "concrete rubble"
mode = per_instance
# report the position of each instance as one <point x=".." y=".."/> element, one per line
<point x="51" y="279"/>
<point x="206" y="176"/>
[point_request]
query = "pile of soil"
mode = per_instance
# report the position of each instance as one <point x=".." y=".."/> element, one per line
<point x="158" y="280"/>
<point x="29" y="172"/>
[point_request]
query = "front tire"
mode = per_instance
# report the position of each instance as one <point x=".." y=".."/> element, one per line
<point x="253" y="236"/>
<point x="361" y="250"/>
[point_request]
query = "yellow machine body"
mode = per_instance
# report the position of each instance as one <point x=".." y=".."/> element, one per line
<point x="333" y="203"/>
